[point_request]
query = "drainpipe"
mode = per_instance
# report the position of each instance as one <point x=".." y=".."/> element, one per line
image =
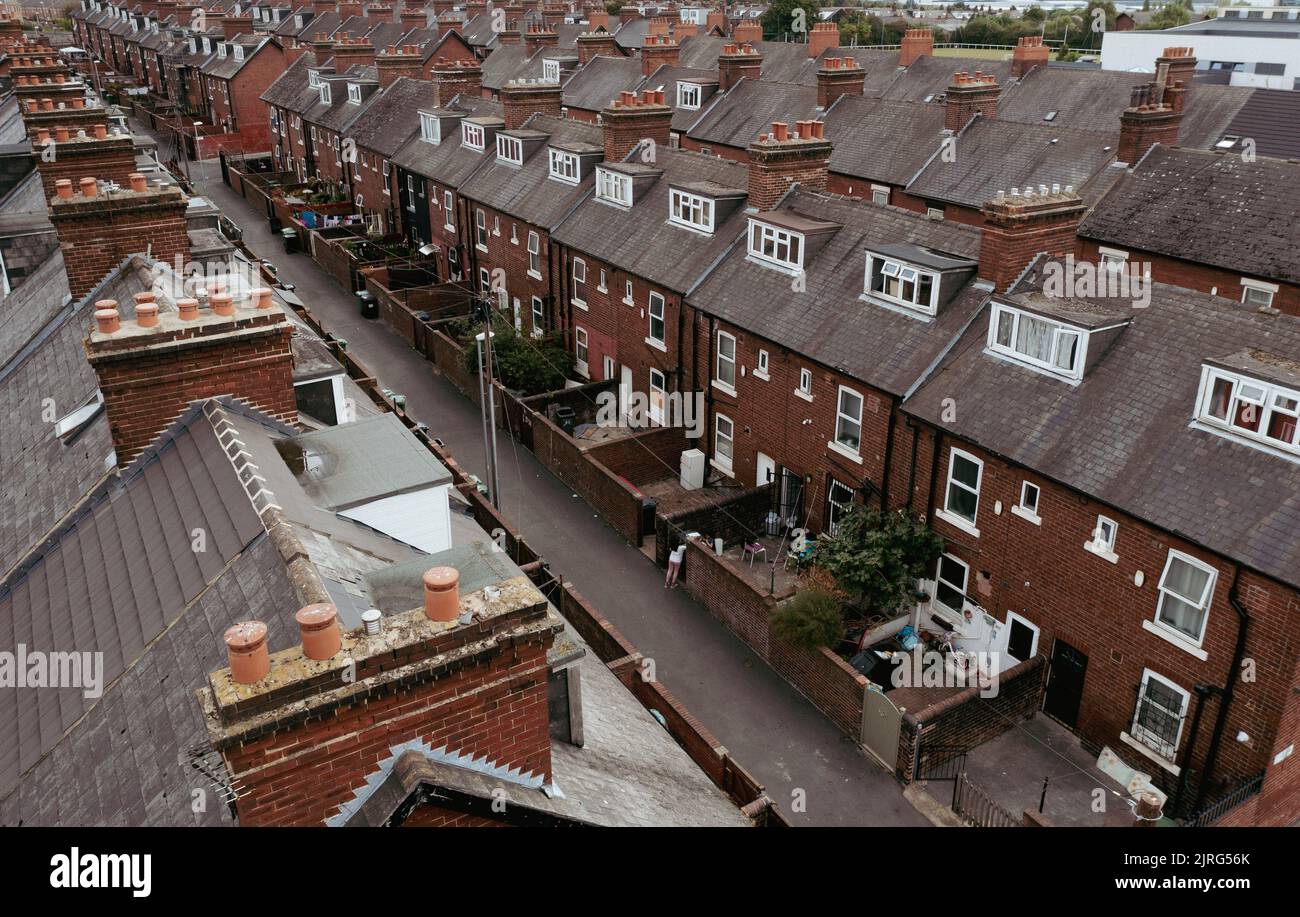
<point x="1229" y="686"/>
<point x="889" y="456"/>
<point x="1202" y="692"/>
<point x="934" y="473"/>
<point x="681" y="326"/>
<point x="911" y="468"/>
<point x="708" y="411"/>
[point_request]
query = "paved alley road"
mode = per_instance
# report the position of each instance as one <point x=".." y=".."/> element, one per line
<point x="771" y="729"/>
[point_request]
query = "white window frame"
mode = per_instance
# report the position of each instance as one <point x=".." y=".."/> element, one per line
<point x="550" y="70"/>
<point x="691" y="211"/>
<point x="471" y="136"/>
<point x="480" y="230"/>
<point x="804" y="390"/>
<point x="688" y="95"/>
<point x="565" y="167"/>
<point x="879" y="191"/>
<point x="1060" y="331"/>
<point x="656" y="310"/>
<point x="579" y="281"/>
<point x="430" y="129"/>
<point x="659" y="389"/>
<point x="1271" y="399"/>
<point x="449" y="211"/>
<point x="581" y="352"/>
<point x="841" y="418"/>
<point x="510" y="150"/>
<point x="722" y="361"/>
<point x="938" y="580"/>
<point x="724" y="464"/>
<point x="354" y="94"/>
<point x="761" y="366"/>
<point x="835" y="509"/>
<point x="1102" y="539"/>
<point x="613" y="188"/>
<point x="1150" y="744"/>
<point x="325" y="96"/>
<point x="1023" y="509"/>
<point x="539" y="317"/>
<point x="1168" y="631"/>
<point x="627" y="293"/>
<point x="1013" y="618"/>
<point x="950" y="481"/>
<point x="1249" y="286"/>
<point x="901" y="273"/>
<point x="766" y="243"/>
<point x="534" y="255"/>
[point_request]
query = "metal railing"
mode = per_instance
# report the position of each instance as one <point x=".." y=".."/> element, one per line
<point x="1226" y="803"/>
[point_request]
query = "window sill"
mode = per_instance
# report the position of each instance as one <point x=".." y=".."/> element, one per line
<point x="657" y="345"/>
<point x="1026" y="515"/>
<point x="762" y="376"/>
<point x="957" y="522"/>
<point x="844" y="450"/>
<point x="725" y="469"/>
<point x="804" y="395"/>
<point x="1093" y="548"/>
<point x="1176" y="639"/>
<point x="535" y="275"/>
<point x="1148" y="752"/>
<point x="580" y="304"/>
<point x="481" y="247"/>
<point x="628" y="302"/>
<point x="724" y="388"/>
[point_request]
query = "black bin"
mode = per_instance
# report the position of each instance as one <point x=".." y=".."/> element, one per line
<point x="367" y="303"/>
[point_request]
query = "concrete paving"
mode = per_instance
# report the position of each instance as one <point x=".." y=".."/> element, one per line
<point x="813" y="773"/>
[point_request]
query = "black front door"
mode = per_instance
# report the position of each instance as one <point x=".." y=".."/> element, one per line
<point x="1065" y="683"/>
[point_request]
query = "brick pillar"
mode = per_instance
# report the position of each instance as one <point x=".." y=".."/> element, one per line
<point x="781" y="159"/>
<point x="233" y="26"/>
<point x="303" y="739"/>
<point x="593" y="44"/>
<point x="349" y="8"/>
<point x="825" y="36"/>
<point x="395" y="62"/>
<point x="631" y="119"/>
<point x="916" y="43"/>
<point x="509" y="36"/>
<point x="1030" y="52"/>
<point x="457" y="77"/>
<point x="97" y="152"/>
<point x="747" y="32"/>
<point x="967" y="95"/>
<point x="535" y="39"/>
<point x="658" y="51"/>
<point x="353" y="51"/>
<point x="149" y="375"/>
<point x="836" y="77"/>
<point x="520" y="101"/>
<point x="97" y="231"/>
<point x="1018" y="227"/>
<point x="737" y="62"/>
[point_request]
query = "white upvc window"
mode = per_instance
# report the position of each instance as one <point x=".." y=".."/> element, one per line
<point x="534" y="255"/>
<point x="760" y="369"/>
<point x="1112" y="260"/>
<point x="430" y="129"/>
<point x="880" y="194"/>
<point x="848" y="420"/>
<point x="724" y="432"/>
<point x="1257" y="292"/>
<point x="565" y="167"/>
<point x="1158" y="717"/>
<point x="688" y="95"/>
<point x="239" y="52"/>
<point x="539" y="317"/>
<point x="627" y="293"/>
<point x="1102" y="542"/>
<point x="1027" y="508"/>
<point x="510" y="150"/>
<point x="480" y="230"/>
<point x="777" y="247"/>
<point x="724" y="371"/>
<point x="471" y="135"/>
<point x="613" y="187"/>
<point x="580" y="349"/>
<point x="658" y="395"/>
<point x="410" y="192"/>
<point x="1037" y="341"/>
<point x="1186" y="590"/>
<point x="325" y="93"/>
<point x="693" y="211"/>
<point x="962" y="491"/>
<point x="1259" y="411"/>
<point x="579" y="282"/>
<point x="354" y="94"/>
<point x="901" y="283"/>
<point x="656" y="316"/>
<point x="448" y="211"/>
<point x="950" y="583"/>
<point x="805" y="384"/>
<point x="551" y="70"/>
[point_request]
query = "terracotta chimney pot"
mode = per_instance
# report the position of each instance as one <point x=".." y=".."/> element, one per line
<point x="89" y="187"/>
<point x="222" y="304"/>
<point x="42" y="135"/>
<point x="262" y="298"/>
<point x="63" y="187"/>
<point x="138" y="182"/>
<point x="146" y="314"/>
<point x="61" y="135"/>
<point x="107" y="317"/>
<point x="246" y="645"/>
<point x="319" y="626"/>
<point x="101" y="131"/>
<point x="442" y="594"/>
<point x="187" y="309"/>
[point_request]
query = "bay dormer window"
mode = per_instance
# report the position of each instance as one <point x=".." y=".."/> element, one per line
<point x="194" y="46"/>
<point x="688" y="96"/>
<point x="551" y="70"/>
<point x="1037" y="341"/>
<point x="898" y="283"/>
<point x="565" y="167"/>
<point x="510" y="150"/>
<point x="471" y="135"/>
<point x="430" y="129"/>
<point x="776" y="247"/>
<point x="613" y="188"/>
<point x="1264" y="412"/>
<point x="693" y="211"/>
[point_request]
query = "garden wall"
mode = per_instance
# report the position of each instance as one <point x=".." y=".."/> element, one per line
<point x="732" y="520"/>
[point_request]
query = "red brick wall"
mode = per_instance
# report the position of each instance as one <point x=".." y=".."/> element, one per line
<point x="510" y="257"/>
<point x="735" y="154"/>
<point x="112" y="159"/>
<point x="427" y="816"/>
<point x="373" y="180"/>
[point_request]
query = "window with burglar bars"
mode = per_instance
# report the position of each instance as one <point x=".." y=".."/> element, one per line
<point x="1158" y="719"/>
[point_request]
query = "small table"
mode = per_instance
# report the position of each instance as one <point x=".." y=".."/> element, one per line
<point x="752" y="550"/>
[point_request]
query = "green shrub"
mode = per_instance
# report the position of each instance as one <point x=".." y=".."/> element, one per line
<point x="811" y="619"/>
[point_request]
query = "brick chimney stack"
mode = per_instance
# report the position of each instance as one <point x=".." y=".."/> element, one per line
<point x="150" y="369"/>
<point x="782" y="158"/>
<point x="1030" y="52"/>
<point x="397" y="62"/>
<point x="598" y="19"/>
<point x="593" y="44"/>
<point x="233" y="26"/>
<point x="84" y="152"/>
<point x="521" y="100"/>
<point x="349" y="8"/>
<point x="747" y="32"/>
<point x="737" y="62"/>
<point x="537" y="38"/>
<point x="968" y="94"/>
<point x="1021" y="225"/>
<point x="825" y="36"/>
<point x="1155" y="113"/>
<point x="658" y="51"/>
<point x="302" y="739"/>
<point x="1180" y="65"/>
<point x="97" y="230"/>
<point x="838" y="76"/>
<point x="630" y="118"/>
<point x="716" y="19"/>
<point x="349" y="52"/>
<point x="472" y="8"/>
<point x="457" y="77"/>
<point x="414" y="17"/>
<point x="322" y="48"/>
<point x="916" y="43"/>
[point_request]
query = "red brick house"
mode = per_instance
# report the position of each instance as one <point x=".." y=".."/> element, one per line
<point x="234" y="80"/>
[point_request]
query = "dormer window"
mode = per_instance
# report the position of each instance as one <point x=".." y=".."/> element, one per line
<point x="221" y="52"/>
<point x="471" y="135"/>
<point x="354" y="94"/>
<point x="688" y="96"/>
<point x="565" y="167"/>
<point x="297" y="22"/>
<point x="779" y="248"/>
<point x="551" y="70"/>
<point x="510" y="150"/>
<point x="239" y="52"/>
<point x="313" y="79"/>
<point x="1261" y="411"/>
<point x="1037" y="341"/>
<point x="430" y="129"/>
<point x="194" y="46"/>
<point x="207" y="46"/>
<point x="690" y="210"/>
<point x="902" y="284"/>
<point x="613" y="188"/>
<point x="325" y="94"/>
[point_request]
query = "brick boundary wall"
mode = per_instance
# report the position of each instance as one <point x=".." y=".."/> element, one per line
<point x="966" y="720"/>
<point x="731" y="520"/>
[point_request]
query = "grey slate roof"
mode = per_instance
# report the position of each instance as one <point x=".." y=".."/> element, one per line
<point x="289" y="89"/>
<point x="882" y="140"/>
<point x="228" y="68"/>
<point x="1269" y="117"/>
<point x="1124" y="434"/>
<point x="928" y="76"/>
<point x="390" y="120"/>
<point x="525" y="191"/>
<point x="736" y="118"/>
<point x="1209" y="208"/>
<point x="595" y="85"/>
<point x="642" y="241"/>
<point x="992" y="156"/>
<point x="448" y="163"/>
<point x="783" y="61"/>
<point x="830" y="323"/>
<point x="667" y="78"/>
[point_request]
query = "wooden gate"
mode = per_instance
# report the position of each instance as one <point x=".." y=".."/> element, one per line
<point x="881" y="722"/>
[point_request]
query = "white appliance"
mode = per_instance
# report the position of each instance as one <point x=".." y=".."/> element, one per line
<point x="692" y="469"/>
